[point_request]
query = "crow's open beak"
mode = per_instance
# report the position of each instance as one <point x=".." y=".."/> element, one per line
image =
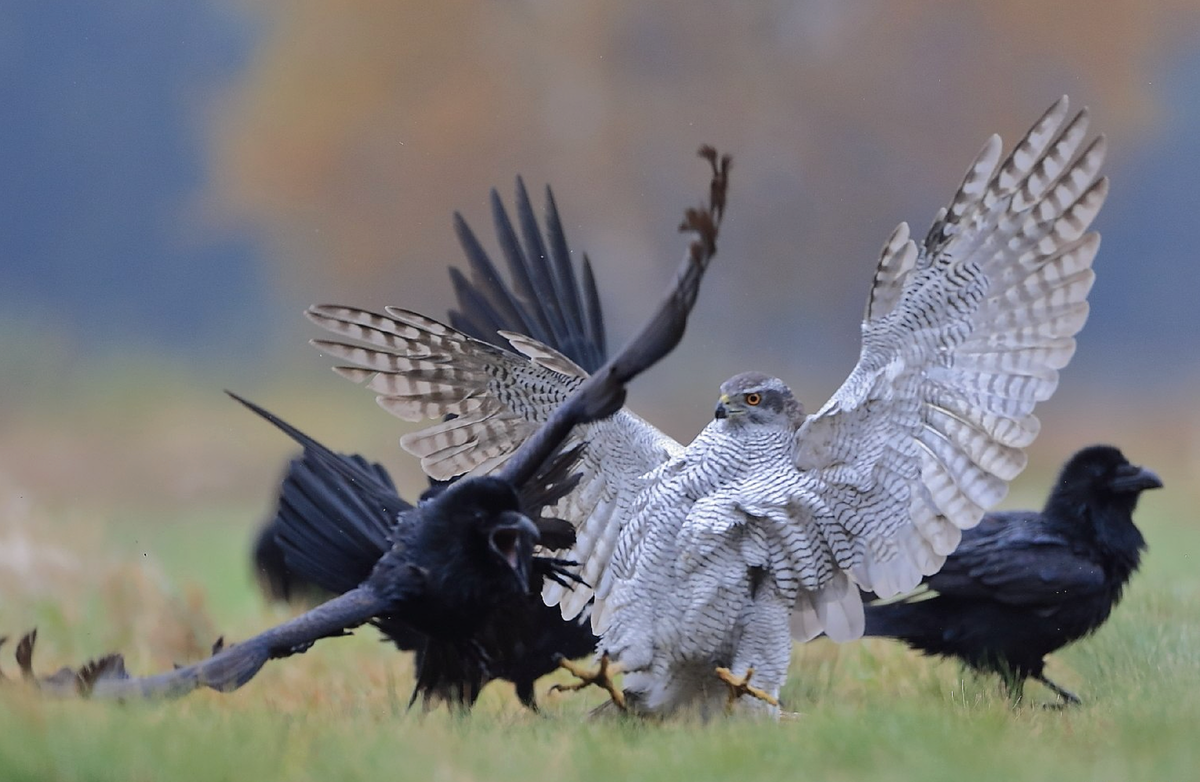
<point x="1130" y="477"/>
<point x="513" y="540"/>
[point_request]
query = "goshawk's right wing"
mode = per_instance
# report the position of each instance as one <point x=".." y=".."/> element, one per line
<point x="964" y="334"/>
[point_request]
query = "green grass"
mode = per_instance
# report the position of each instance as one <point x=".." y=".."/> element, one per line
<point x="159" y="575"/>
<point x="868" y="710"/>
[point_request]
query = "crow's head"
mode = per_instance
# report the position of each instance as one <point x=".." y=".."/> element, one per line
<point x="753" y="398"/>
<point x="479" y="531"/>
<point x="1102" y="473"/>
<point x="1099" y="487"/>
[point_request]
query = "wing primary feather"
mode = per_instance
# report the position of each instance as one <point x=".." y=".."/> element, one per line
<point x="546" y="292"/>
<point x="482" y="268"/>
<point x="543" y="302"/>
<point x="526" y="291"/>
<point x="603" y="393"/>
<point x="233" y="666"/>
<point x="587" y="322"/>
<point x="478" y="317"/>
<point x="595" y="318"/>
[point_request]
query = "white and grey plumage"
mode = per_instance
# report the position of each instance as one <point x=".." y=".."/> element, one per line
<point x="763" y="528"/>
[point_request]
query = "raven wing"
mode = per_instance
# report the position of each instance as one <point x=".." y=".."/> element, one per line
<point x="233" y="666"/>
<point x="1011" y="558"/>
<point x="331" y="529"/>
<point x="336" y="512"/>
<point x="546" y="301"/>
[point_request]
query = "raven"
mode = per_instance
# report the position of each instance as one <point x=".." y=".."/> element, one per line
<point x="303" y="553"/>
<point x="547" y="301"/>
<point x="1024" y="583"/>
<point x="335" y="519"/>
<point x="455" y="557"/>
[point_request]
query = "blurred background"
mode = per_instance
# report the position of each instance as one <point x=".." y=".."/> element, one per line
<point x="180" y="178"/>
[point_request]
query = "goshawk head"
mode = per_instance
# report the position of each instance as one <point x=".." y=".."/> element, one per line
<point x="755" y="399"/>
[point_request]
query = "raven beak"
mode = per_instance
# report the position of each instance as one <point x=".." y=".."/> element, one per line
<point x="1130" y="477"/>
<point x="513" y="541"/>
<point x="721" y="411"/>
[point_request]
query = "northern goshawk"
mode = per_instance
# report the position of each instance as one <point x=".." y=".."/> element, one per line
<point x="763" y="529"/>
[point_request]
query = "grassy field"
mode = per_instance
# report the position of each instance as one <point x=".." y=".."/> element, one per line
<point x="138" y="542"/>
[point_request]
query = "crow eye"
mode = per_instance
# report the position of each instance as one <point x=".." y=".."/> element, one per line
<point x="753" y="398"/>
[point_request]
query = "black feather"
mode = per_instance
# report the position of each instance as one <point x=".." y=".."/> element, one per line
<point x="1023" y="583"/>
<point x="331" y="536"/>
<point x="437" y="571"/>
<point x="320" y="537"/>
<point x="332" y="539"/>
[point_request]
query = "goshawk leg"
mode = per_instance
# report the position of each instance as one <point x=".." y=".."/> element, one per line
<point x="739" y="687"/>
<point x="601" y="677"/>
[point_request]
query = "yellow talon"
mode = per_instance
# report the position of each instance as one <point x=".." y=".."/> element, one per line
<point x="601" y="677"/>
<point x="739" y="687"/>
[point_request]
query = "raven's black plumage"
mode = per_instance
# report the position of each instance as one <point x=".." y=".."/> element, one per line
<point x="449" y="562"/>
<point x="1023" y="583"/>
<point x="548" y="301"/>
<point x="439" y="569"/>
<point x="336" y="516"/>
<point x="333" y="537"/>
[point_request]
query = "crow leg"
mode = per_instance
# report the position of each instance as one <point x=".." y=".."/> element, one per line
<point x="1014" y="686"/>
<point x="601" y="677"/>
<point x="1068" y="698"/>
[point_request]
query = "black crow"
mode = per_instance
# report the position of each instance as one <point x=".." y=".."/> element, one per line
<point x="547" y="300"/>
<point x="1023" y="584"/>
<point x="335" y="520"/>
<point x="454" y="558"/>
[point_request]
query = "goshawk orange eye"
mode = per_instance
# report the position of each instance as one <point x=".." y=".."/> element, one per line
<point x="753" y="398"/>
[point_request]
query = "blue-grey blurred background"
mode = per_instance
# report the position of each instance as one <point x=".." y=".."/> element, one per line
<point x="179" y="178"/>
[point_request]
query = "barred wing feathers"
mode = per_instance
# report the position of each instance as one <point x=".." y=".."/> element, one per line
<point x="963" y="335"/>
<point x="420" y="368"/>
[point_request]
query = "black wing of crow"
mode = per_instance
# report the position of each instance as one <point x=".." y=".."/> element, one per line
<point x="546" y="300"/>
<point x="603" y="393"/>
